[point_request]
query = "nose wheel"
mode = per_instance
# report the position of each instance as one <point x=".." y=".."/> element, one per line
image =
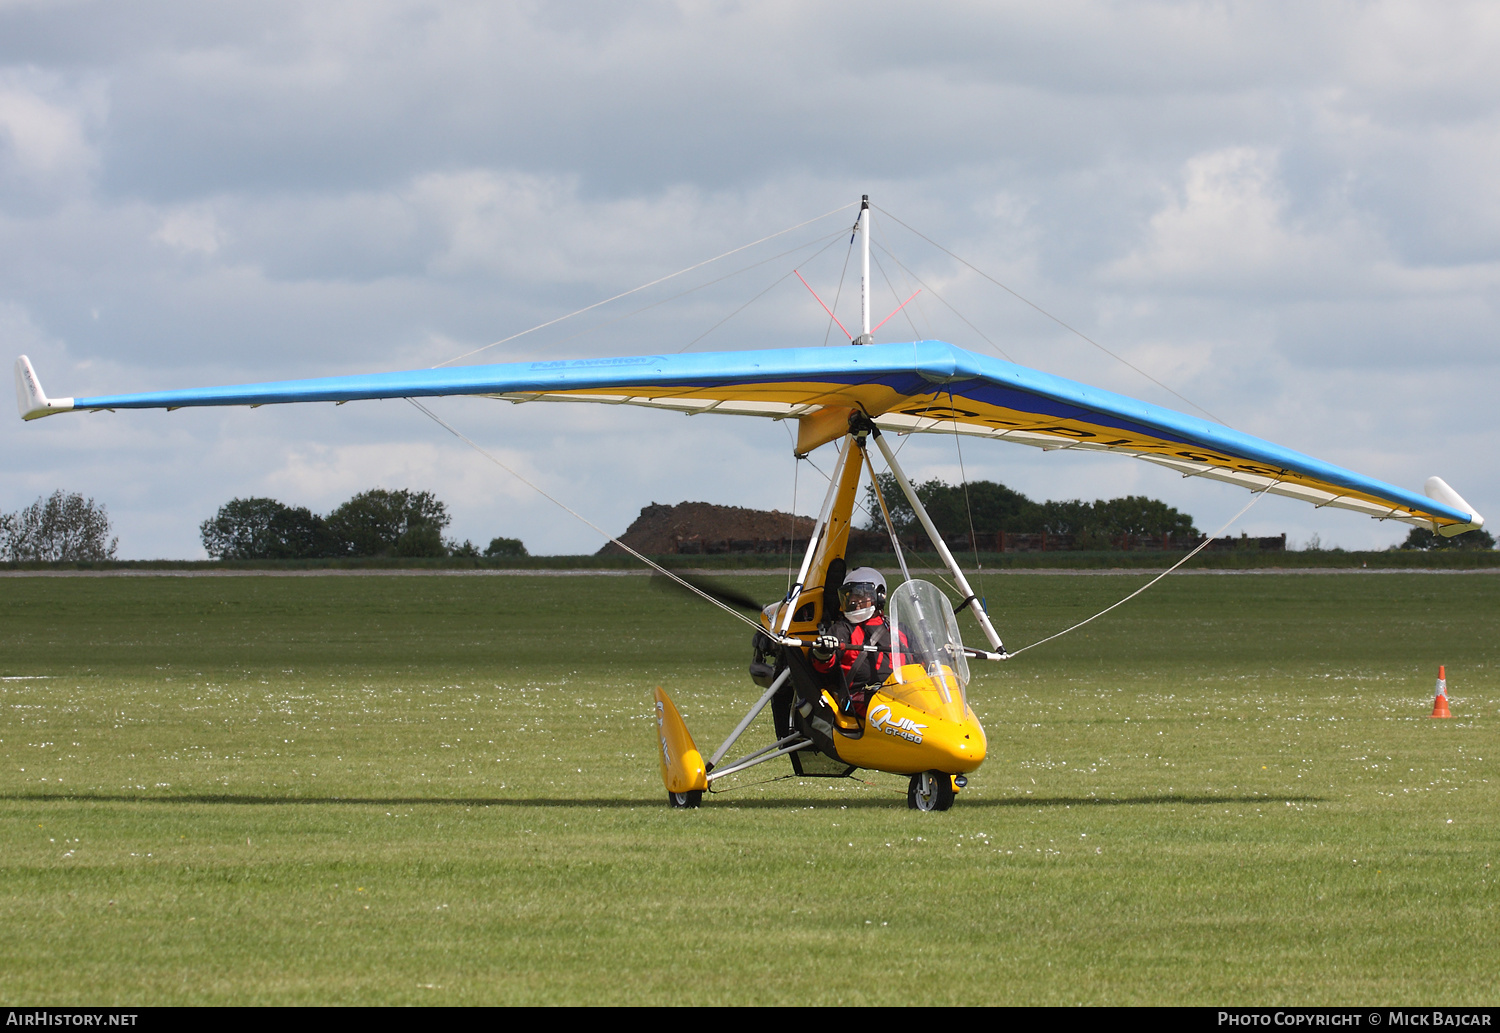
<point x="930" y="791"/>
<point x="691" y="798"/>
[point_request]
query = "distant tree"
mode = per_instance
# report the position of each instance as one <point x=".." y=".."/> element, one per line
<point x="1422" y="538"/>
<point x="61" y="527"/>
<point x="1073" y="516"/>
<point x="902" y="515"/>
<point x="264" y="529"/>
<point x="465" y="548"/>
<point x="505" y="547"/>
<point x="390" y="523"/>
<point x="985" y="506"/>
<point x="992" y="507"/>
<point x="420" y="539"/>
<point x="1136" y="514"/>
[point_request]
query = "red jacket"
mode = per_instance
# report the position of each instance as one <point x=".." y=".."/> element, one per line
<point x="858" y="667"/>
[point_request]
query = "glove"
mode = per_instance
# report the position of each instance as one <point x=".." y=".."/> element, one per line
<point x="824" y="646"/>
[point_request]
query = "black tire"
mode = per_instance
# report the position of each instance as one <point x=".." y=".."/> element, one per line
<point x="930" y="791"/>
<point x="691" y="798"/>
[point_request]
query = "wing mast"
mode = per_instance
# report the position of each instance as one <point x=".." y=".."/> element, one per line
<point x="862" y="227"/>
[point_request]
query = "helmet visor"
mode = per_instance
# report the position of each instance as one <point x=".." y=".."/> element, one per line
<point x="857" y="595"/>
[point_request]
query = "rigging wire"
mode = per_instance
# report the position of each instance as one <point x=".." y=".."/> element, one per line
<point x="857" y="504"/>
<point x="885" y="513"/>
<point x="840" y="291"/>
<point x="653" y="283"/>
<point x="564" y="506"/>
<point x="983" y="336"/>
<point x="892" y="288"/>
<point x="750" y="785"/>
<point x="738" y="786"/>
<point x="757" y="297"/>
<point x="909" y="436"/>
<point x="968" y="506"/>
<point x="825" y="308"/>
<point x="885" y="246"/>
<point x="899" y="308"/>
<point x="1254" y="498"/>
<point x="691" y="290"/>
<point x="1059" y="322"/>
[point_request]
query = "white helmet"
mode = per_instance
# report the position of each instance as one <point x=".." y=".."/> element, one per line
<point x="862" y="594"/>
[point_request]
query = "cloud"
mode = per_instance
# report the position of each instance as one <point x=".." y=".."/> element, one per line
<point x="46" y="149"/>
<point x="1230" y="228"/>
<point x="190" y="232"/>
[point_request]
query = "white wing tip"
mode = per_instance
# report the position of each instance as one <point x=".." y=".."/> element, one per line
<point x="1438" y="490"/>
<point x="30" y="398"/>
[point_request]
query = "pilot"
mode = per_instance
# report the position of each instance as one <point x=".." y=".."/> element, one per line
<point x="838" y="649"/>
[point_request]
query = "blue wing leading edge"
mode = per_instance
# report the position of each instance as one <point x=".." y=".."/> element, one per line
<point x="918" y="387"/>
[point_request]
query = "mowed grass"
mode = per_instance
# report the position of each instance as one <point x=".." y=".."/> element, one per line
<point x="443" y="790"/>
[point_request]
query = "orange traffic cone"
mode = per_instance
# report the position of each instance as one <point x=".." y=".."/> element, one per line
<point x="1440" y="702"/>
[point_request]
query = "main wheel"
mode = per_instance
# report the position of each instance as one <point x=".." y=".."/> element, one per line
<point x="930" y="791"/>
<point x="691" y="798"/>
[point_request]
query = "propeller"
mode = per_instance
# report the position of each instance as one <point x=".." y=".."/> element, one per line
<point x="723" y="593"/>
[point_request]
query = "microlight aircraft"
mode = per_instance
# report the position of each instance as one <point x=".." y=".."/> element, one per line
<point x="918" y="723"/>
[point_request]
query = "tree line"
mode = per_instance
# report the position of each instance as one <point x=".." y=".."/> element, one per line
<point x="993" y="507"/>
<point x="373" y="523"/>
<point x="66" y="527"/>
<point x="61" y="527"/>
<point x="1421" y="538"/>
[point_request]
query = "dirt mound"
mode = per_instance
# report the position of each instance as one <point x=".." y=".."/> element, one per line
<point x="699" y="527"/>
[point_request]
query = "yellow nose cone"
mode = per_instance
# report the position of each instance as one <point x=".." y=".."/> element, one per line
<point x="968" y="744"/>
<point x="904" y="740"/>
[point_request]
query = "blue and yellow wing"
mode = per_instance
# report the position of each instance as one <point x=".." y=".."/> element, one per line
<point x="923" y="386"/>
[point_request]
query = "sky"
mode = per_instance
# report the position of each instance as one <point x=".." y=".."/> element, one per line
<point x="1287" y="214"/>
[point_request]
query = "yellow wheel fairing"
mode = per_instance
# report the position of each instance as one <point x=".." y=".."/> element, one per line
<point x="682" y="767"/>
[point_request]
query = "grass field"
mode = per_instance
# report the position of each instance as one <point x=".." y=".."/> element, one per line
<point x="443" y="790"/>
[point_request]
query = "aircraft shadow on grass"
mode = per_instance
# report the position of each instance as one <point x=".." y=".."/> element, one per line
<point x="626" y="803"/>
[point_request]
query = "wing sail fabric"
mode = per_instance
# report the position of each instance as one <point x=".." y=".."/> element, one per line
<point x="920" y="387"/>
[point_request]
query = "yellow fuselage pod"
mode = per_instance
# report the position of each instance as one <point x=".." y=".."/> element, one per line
<point x="913" y="726"/>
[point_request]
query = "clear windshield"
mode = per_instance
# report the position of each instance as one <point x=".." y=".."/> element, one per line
<point x="932" y="665"/>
